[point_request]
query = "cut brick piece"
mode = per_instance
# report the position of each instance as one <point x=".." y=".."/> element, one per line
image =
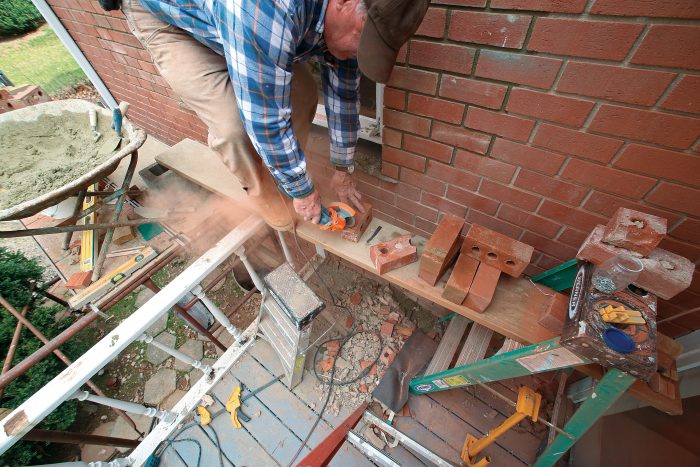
<point x="387" y="328"/>
<point x="79" y="280"/>
<point x="637" y="231"/>
<point x="441" y="249"/>
<point x="498" y="250"/>
<point x="460" y="280"/>
<point x="362" y="221"/>
<point x="665" y="274"/>
<point x="554" y="316"/>
<point x="483" y="287"/>
<point x="393" y="254"/>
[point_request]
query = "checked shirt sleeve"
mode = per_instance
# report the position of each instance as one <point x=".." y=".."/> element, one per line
<point x="341" y="83"/>
<point x="258" y="38"/>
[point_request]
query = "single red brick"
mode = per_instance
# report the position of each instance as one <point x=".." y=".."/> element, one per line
<point x="617" y="83"/>
<point x="608" y="40"/>
<point x="496" y="249"/>
<point x="356" y="298"/>
<point x="386" y="329"/>
<point x="417" y="208"/>
<point x="403" y="158"/>
<point x="426" y="183"/>
<point x="362" y="221"/>
<point x="441" y="249"/>
<point x="637" y="231"/>
<point x="472" y="200"/>
<point x="659" y="8"/>
<point x="608" y="179"/>
<point x="551" y="187"/>
<point x="429" y="148"/>
<point x="392" y="138"/>
<point x="483" y="287"/>
<point x="494" y="223"/>
<point x="79" y="280"/>
<point x="414" y="80"/>
<point x="576" y="142"/>
<point x="554" y="316"/>
<point x="461" y="137"/>
<point x="472" y="91"/>
<point x="460" y="280"/>
<point x="677" y="198"/>
<point x="606" y="205"/>
<point x="407" y="122"/>
<point x="571" y="216"/>
<point x="394" y="98"/>
<point x="483" y="165"/>
<point x="393" y="254"/>
<point x="551" y="247"/>
<point x="674" y="131"/>
<point x="671" y="46"/>
<point x="540" y="105"/>
<point x="439" y="109"/>
<point x="688" y="230"/>
<point x="442" y="204"/>
<point x="499" y="123"/>
<point x="489" y="28"/>
<point x="665" y="274"/>
<point x="526" y="156"/>
<point x="572" y="237"/>
<point x="657" y="162"/>
<point x="443" y="57"/>
<point x="555" y="6"/>
<point x="453" y="176"/>
<point x="529" y="220"/>
<point x="531" y="70"/>
<point x="685" y="96"/>
<point x="433" y="24"/>
<point x="510" y="195"/>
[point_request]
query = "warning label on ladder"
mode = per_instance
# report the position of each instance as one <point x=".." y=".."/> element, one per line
<point x="550" y="360"/>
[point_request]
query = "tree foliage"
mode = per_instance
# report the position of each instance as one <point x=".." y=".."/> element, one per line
<point x="15" y="271"/>
<point x="18" y="17"/>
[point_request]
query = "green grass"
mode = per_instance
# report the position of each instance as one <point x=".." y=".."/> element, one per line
<point x="41" y="59"/>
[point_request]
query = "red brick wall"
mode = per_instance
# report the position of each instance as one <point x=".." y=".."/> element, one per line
<point x="536" y="118"/>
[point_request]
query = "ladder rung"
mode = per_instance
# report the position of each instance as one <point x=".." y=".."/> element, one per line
<point x="476" y="345"/>
<point x="448" y="345"/>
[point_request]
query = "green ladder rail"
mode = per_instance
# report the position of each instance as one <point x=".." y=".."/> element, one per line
<point x="537" y="358"/>
<point x="558" y="278"/>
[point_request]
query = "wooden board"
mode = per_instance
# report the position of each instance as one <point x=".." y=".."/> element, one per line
<point x="199" y="164"/>
<point x="514" y="311"/>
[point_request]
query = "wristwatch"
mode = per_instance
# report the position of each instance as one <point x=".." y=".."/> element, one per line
<point x="345" y="168"/>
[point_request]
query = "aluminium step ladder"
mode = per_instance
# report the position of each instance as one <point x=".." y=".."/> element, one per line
<point x="286" y="317"/>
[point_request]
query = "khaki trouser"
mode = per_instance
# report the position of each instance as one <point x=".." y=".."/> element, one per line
<point x="200" y="77"/>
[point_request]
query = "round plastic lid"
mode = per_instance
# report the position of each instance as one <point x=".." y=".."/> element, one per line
<point x="618" y="340"/>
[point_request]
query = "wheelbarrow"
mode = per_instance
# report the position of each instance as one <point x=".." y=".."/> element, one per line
<point x="132" y="139"/>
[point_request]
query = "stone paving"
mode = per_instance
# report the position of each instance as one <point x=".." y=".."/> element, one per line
<point x="159" y="386"/>
<point x="154" y="354"/>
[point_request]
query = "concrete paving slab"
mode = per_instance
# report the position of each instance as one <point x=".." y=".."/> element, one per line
<point x="159" y="386"/>
<point x="154" y="354"/>
<point x="94" y="453"/>
<point x="192" y="348"/>
<point x="122" y="428"/>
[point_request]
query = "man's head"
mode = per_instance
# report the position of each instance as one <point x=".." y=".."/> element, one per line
<point x="372" y="30"/>
<point x="344" y="22"/>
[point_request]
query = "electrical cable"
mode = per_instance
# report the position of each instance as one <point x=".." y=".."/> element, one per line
<point x="343" y="340"/>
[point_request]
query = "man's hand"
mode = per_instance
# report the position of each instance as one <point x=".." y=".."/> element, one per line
<point x="344" y="185"/>
<point x="309" y="207"/>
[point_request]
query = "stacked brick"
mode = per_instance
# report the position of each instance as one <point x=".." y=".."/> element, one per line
<point x="483" y="255"/>
<point x="537" y="119"/>
<point x="13" y="98"/>
<point x="665" y="274"/>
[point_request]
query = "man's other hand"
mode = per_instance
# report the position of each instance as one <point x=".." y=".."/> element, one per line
<point x="309" y="207"/>
<point x="345" y="186"/>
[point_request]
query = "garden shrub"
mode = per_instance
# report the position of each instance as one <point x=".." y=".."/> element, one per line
<point x="18" y="17"/>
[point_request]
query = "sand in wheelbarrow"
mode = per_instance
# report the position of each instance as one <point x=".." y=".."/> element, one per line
<point x="39" y="156"/>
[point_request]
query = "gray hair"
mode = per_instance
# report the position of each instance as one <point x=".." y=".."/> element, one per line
<point x="361" y="9"/>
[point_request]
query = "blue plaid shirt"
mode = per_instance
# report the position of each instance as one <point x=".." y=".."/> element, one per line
<point x="261" y="40"/>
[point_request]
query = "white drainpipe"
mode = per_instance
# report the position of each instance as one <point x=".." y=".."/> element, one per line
<point x="77" y="54"/>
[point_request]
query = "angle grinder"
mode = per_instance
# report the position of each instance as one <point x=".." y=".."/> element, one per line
<point x="336" y="216"/>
